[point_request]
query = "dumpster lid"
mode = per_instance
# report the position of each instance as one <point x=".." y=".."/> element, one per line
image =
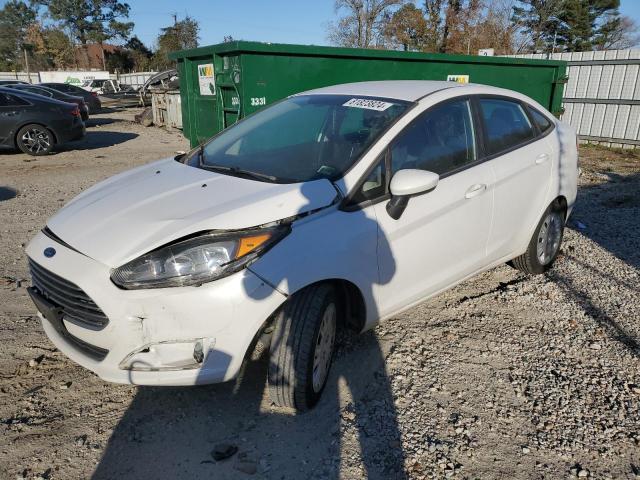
<point x="238" y="47"/>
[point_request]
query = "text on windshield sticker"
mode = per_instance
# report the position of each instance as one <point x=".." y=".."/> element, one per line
<point x="378" y="105"/>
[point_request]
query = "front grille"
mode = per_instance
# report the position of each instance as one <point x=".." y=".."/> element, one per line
<point x="75" y="303"/>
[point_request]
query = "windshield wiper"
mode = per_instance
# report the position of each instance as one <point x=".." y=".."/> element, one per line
<point x="238" y="171"/>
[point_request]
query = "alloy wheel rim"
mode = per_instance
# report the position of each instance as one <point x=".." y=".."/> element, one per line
<point x="324" y="347"/>
<point x="36" y="140"/>
<point x="549" y="238"/>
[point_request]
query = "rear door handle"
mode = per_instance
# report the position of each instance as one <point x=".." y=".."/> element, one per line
<point x="543" y="157"/>
<point x="475" y="190"/>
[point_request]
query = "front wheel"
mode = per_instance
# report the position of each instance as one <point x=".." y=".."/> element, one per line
<point x="302" y="347"/>
<point x="35" y="139"/>
<point x="545" y="243"/>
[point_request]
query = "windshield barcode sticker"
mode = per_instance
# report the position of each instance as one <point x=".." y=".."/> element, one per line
<point x="368" y="104"/>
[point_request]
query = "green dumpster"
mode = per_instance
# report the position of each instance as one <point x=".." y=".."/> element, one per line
<point x="221" y="83"/>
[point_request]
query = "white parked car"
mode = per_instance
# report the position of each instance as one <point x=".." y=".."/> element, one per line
<point x="340" y="206"/>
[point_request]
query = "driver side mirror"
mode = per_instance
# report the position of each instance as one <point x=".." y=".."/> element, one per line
<point x="406" y="184"/>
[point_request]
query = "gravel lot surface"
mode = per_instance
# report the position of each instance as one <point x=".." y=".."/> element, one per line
<point x="505" y="376"/>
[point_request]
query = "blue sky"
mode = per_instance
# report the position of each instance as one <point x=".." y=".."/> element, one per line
<point x="284" y="21"/>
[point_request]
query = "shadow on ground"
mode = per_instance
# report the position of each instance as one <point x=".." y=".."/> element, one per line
<point x="603" y="213"/>
<point x="94" y="140"/>
<point x="171" y="432"/>
<point x="7" y="193"/>
<point x="95" y="122"/>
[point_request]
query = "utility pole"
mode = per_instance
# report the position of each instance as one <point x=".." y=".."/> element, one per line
<point x="175" y="18"/>
<point x="26" y="63"/>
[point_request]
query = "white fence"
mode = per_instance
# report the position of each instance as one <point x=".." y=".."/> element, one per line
<point x="133" y="79"/>
<point x="602" y="97"/>
<point x="20" y="76"/>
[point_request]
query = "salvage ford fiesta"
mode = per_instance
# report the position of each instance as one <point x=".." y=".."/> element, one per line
<point x="337" y="207"/>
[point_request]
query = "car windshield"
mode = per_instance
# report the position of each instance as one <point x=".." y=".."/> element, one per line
<point x="301" y="138"/>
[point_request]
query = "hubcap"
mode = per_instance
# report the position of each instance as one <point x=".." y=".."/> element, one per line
<point x="324" y="347"/>
<point x="36" y="140"/>
<point x="549" y="237"/>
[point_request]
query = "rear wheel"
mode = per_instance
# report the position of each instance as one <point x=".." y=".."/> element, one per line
<point x="545" y="243"/>
<point x="34" y="139"/>
<point x="302" y="347"/>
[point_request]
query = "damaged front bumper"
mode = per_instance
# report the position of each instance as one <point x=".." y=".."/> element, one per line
<point x="169" y="336"/>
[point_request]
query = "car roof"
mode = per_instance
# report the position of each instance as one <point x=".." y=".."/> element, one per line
<point x="27" y="86"/>
<point x="408" y="90"/>
<point x="32" y="96"/>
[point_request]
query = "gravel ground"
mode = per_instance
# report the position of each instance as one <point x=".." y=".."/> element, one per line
<point x="505" y="376"/>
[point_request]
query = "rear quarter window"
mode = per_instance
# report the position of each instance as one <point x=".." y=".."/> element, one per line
<point x="12" y="101"/>
<point x="541" y="121"/>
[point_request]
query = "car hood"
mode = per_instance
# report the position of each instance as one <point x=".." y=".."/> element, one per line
<point x="139" y="210"/>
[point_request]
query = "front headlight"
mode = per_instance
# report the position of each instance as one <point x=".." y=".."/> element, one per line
<point x="197" y="260"/>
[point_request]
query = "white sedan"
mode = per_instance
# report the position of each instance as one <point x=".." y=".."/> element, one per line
<point x="341" y="206"/>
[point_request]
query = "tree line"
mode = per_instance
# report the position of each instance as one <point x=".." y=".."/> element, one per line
<point x="465" y="26"/>
<point x="56" y="34"/>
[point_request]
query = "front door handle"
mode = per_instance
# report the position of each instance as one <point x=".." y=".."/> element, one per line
<point x="543" y="157"/>
<point x="475" y="190"/>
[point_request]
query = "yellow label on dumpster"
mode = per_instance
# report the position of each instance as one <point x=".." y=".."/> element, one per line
<point x="458" y="78"/>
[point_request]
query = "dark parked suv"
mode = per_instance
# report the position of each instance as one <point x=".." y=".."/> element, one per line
<point x="90" y="98"/>
<point x="35" y="124"/>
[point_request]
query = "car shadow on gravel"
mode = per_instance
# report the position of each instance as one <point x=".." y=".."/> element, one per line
<point x="609" y="324"/>
<point x="608" y="213"/>
<point x="172" y="432"/>
<point x="94" y="140"/>
<point x="99" y="122"/>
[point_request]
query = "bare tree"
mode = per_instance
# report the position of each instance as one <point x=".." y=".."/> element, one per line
<point x="362" y="21"/>
<point x="623" y="33"/>
<point x="497" y="29"/>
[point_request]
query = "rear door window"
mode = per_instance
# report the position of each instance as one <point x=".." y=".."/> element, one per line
<point x="506" y="124"/>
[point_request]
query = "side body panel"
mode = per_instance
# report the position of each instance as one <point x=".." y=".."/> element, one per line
<point x="523" y="177"/>
<point x="440" y="237"/>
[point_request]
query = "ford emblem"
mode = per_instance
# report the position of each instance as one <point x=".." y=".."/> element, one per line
<point x="49" y="252"/>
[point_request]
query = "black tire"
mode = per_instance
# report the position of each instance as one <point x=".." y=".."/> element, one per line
<point x="293" y="347"/>
<point x="530" y="262"/>
<point x="34" y="139"/>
